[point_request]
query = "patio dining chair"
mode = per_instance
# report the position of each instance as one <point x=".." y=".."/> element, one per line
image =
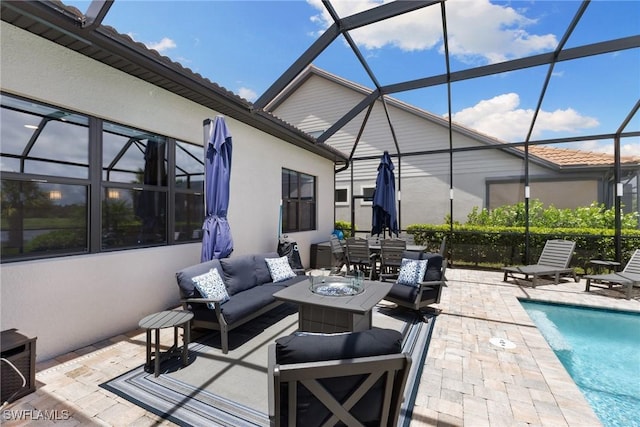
<point x="360" y="257"/>
<point x="554" y="261"/>
<point x="391" y="251"/>
<point x="338" y="255"/>
<point x="628" y="277"/>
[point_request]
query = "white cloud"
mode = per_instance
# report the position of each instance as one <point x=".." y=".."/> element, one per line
<point x="163" y="45"/>
<point x="501" y="118"/>
<point x="248" y="94"/>
<point x="478" y="30"/>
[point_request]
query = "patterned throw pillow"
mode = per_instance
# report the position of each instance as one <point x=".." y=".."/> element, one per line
<point x="412" y="271"/>
<point x="211" y="286"/>
<point x="280" y="269"/>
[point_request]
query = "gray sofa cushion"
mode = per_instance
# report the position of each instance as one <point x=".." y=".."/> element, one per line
<point x="314" y="348"/>
<point x="184" y="277"/>
<point x="246" y="271"/>
<point x="262" y="269"/>
<point x="239" y="273"/>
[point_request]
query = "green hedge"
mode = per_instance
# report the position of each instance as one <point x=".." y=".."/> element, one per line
<point x="500" y="246"/>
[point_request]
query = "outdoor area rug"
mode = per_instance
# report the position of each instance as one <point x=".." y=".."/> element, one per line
<point x="231" y="389"/>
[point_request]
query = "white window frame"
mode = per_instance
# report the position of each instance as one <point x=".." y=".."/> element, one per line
<point x="364" y="202"/>
<point x="348" y="202"/>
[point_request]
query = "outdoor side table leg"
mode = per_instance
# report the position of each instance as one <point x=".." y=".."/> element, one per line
<point x="148" y="365"/>
<point x="175" y="336"/>
<point x="186" y="339"/>
<point x="156" y="370"/>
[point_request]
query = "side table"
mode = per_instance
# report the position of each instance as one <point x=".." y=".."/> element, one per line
<point x="604" y="263"/>
<point x="167" y="319"/>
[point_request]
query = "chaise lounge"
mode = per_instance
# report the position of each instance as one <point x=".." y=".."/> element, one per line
<point x="554" y="261"/>
<point x="628" y="277"/>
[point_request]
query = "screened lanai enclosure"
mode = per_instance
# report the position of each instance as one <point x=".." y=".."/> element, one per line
<point x="508" y="158"/>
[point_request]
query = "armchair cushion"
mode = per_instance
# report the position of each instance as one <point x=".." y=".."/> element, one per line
<point x="434" y="267"/>
<point x="314" y="348"/>
<point x="211" y="286"/>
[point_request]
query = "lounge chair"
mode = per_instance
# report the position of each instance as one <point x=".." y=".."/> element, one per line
<point x="628" y="277"/>
<point x="554" y="261"/>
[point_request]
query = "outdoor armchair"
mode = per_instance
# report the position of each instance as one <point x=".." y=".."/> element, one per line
<point x="628" y="277"/>
<point x="554" y="261"/>
<point x="425" y="292"/>
<point x="352" y="379"/>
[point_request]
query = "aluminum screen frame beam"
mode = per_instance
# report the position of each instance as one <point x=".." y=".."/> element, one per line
<point x="371" y="16"/>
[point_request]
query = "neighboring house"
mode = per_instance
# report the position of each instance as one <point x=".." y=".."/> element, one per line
<point x="485" y="171"/>
<point x="82" y="88"/>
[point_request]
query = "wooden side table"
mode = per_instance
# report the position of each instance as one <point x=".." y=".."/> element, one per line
<point x="167" y="319"/>
<point x="601" y="264"/>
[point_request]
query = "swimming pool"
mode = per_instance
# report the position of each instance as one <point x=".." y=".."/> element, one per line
<point x="600" y="349"/>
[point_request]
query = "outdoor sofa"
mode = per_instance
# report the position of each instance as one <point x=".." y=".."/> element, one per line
<point x="249" y="284"/>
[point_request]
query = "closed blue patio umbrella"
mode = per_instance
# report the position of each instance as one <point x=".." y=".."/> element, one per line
<point x="216" y="239"/>
<point x="384" y="198"/>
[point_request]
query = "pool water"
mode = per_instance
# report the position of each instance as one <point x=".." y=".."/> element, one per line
<point x="600" y="349"/>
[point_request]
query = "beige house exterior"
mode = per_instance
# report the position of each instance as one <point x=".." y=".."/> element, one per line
<point x="485" y="172"/>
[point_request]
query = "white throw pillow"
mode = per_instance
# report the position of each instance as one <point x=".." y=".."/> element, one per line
<point x="412" y="271"/>
<point x="211" y="286"/>
<point x="280" y="269"/>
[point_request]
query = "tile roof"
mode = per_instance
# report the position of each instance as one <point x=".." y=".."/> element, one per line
<point x="569" y="157"/>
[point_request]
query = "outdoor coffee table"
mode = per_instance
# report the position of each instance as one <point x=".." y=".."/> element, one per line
<point x="167" y="319"/>
<point x="328" y="314"/>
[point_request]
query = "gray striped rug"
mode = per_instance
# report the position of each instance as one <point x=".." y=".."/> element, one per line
<point x="231" y="390"/>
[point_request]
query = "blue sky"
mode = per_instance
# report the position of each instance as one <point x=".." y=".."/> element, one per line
<point x="246" y="45"/>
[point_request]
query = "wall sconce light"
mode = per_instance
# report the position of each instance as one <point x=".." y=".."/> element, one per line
<point x="113" y="194"/>
<point x="55" y="195"/>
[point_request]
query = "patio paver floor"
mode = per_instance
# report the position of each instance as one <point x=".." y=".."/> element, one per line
<point x="466" y="380"/>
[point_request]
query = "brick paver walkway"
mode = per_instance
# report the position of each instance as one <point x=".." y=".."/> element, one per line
<point x="466" y="381"/>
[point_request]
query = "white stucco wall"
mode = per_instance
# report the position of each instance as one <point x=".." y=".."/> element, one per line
<point x="71" y="302"/>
